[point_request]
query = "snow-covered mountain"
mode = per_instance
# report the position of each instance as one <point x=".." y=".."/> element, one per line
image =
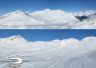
<point x="13" y="39"/>
<point x="66" y="53"/>
<point x="48" y="19"/>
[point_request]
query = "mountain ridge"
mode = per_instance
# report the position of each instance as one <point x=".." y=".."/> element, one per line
<point x="51" y="19"/>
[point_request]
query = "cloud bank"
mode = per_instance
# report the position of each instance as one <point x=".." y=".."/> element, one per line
<point x="66" y="53"/>
<point x="48" y="19"/>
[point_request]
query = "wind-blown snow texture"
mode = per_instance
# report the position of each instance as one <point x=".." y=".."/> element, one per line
<point x="48" y="19"/>
<point x="66" y="53"/>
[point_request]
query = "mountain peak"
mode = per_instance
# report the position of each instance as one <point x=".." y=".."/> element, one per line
<point x="15" y="39"/>
<point x="17" y="13"/>
<point x="20" y="12"/>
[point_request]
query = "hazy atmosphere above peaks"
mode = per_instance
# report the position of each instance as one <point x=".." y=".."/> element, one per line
<point x="33" y="5"/>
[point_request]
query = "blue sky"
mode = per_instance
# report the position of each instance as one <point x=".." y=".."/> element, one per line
<point x="33" y="5"/>
<point x="47" y="35"/>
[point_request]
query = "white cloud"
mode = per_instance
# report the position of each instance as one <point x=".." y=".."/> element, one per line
<point x="57" y="53"/>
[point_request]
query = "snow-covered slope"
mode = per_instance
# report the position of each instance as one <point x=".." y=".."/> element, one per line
<point x="49" y="19"/>
<point x="66" y="53"/>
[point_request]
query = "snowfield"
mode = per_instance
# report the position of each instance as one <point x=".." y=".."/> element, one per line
<point x="66" y="53"/>
<point x="48" y="19"/>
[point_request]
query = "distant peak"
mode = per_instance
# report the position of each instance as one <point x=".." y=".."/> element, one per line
<point x="19" y="11"/>
<point x="16" y="38"/>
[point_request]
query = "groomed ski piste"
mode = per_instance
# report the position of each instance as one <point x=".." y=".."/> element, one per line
<point x="66" y="53"/>
<point x="48" y="19"/>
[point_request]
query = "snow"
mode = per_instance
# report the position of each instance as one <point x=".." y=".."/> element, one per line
<point x="47" y="19"/>
<point x="66" y="53"/>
